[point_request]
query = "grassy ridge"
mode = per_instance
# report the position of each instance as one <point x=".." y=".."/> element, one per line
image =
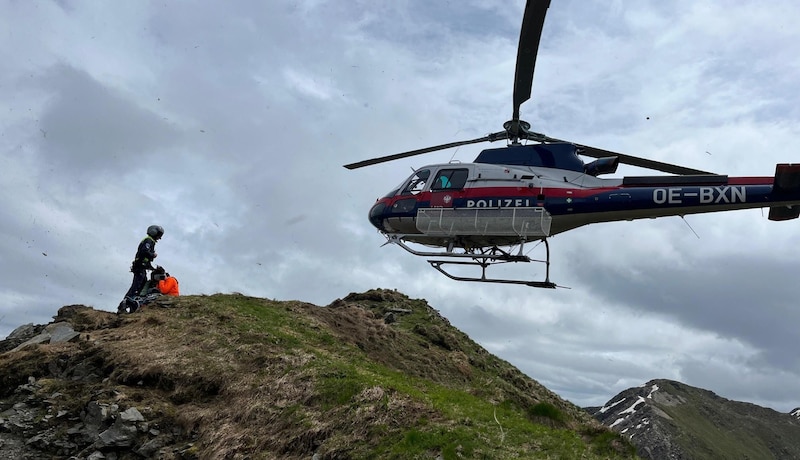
<point x="712" y="427"/>
<point x="256" y="378"/>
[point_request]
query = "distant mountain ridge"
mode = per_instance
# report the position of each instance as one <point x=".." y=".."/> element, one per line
<point x="669" y="419"/>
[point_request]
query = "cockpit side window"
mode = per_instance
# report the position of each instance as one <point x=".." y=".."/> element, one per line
<point x="450" y="179"/>
<point x="417" y="182"/>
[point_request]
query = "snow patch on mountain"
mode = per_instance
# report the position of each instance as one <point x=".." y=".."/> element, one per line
<point x="632" y="408"/>
<point x="635" y="415"/>
<point x="605" y="409"/>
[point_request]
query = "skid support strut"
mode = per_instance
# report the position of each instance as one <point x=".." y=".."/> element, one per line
<point x="483" y="258"/>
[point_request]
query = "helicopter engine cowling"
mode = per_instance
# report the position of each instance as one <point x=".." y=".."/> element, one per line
<point x="607" y="165"/>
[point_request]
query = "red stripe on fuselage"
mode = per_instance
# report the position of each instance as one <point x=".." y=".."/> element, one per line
<point x="563" y="192"/>
<point x="496" y="192"/>
<point x="750" y="180"/>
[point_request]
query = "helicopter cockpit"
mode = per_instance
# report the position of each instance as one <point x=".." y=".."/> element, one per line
<point x="451" y="177"/>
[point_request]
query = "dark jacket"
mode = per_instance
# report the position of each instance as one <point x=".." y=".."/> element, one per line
<point x="145" y="253"/>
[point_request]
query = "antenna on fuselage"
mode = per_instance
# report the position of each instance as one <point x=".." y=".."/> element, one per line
<point x="690" y="227"/>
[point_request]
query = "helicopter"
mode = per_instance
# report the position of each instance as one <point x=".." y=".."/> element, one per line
<point x="480" y="214"/>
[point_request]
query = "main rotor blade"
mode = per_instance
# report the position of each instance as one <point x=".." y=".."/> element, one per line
<point x="640" y="162"/>
<point x="529" y="35"/>
<point x="490" y="138"/>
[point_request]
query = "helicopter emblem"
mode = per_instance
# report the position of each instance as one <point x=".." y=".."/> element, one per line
<point x="484" y="213"/>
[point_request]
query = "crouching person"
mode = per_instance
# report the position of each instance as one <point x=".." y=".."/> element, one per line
<point x="168" y="285"/>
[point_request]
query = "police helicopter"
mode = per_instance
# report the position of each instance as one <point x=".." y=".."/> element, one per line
<point x="484" y="213"/>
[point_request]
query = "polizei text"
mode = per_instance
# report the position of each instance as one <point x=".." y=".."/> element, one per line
<point x="500" y="203"/>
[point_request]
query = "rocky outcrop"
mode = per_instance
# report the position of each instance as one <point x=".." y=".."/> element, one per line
<point x="19" y="336"/>
<point x="61" y="331"/>
<point x="72" y="409"/>
<point x="30" y="424"/>
<point x="634" y="414"/>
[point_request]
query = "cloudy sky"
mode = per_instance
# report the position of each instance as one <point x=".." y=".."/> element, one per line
<point x="229" y="127"/>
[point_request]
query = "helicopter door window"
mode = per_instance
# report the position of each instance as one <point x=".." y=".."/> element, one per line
<point x="450" y="179"/>
<point x="417" y="182"/>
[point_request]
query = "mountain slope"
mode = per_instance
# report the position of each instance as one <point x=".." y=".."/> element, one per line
<point x="668" y="419"/>
<point x="373" y="375"/>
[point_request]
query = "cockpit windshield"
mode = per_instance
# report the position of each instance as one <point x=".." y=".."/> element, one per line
<point x="416" y="183"/>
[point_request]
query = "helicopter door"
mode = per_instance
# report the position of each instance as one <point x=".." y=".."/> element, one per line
<point x="448" y="186"/>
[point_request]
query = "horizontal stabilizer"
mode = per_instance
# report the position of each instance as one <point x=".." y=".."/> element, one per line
<point x="787" y="181"/>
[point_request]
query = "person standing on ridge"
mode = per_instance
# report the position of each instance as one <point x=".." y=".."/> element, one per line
<point x="145" y="254"/>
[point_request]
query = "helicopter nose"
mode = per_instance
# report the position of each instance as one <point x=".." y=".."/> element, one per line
<point x="376" y="215"/>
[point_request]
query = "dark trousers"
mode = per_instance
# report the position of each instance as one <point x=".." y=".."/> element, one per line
<point x="139" y="278"/>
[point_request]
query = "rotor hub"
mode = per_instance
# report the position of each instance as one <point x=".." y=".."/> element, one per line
<point x="517" y="129"/>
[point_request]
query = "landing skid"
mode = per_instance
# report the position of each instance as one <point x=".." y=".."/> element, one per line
<point x="437" y="264"/>
<point x="483" y="258"/>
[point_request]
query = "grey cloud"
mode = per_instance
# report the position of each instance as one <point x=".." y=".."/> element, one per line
<point x="746" y="298"/>
<point x="89" y="127"/>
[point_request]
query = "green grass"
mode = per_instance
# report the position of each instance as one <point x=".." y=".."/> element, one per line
<point x="548" y="411"/>
<point x="454" y="443"/>
<point x="457" y="419"/>
<point x="708" y="441"/>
